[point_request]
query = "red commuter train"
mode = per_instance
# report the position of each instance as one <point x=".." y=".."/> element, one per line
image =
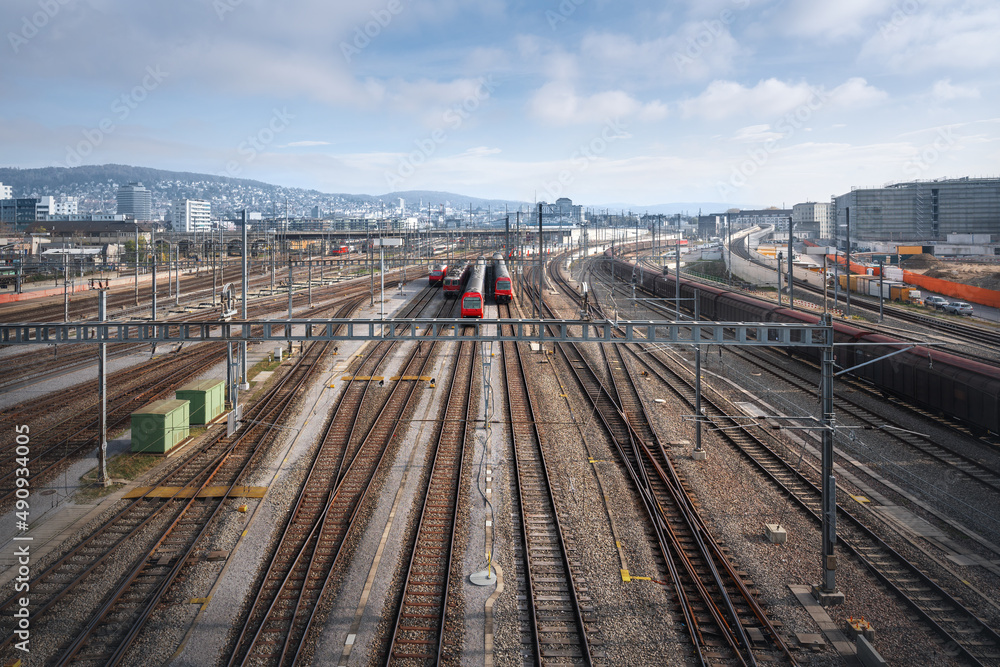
<point x="501" y="285"/>
<point x="438" y="272"/>
<point x="474" y="296"/>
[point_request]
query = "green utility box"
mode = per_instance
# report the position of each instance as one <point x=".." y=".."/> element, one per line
<point x="159" y="426"/>
<point x="207" y="399"/>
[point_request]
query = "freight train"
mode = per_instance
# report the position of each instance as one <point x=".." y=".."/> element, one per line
<point x="936" y="381"/>
<point x="474" y="296"/>
<point x="500" y="280"/>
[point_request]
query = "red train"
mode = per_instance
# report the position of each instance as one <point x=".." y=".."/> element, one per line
<point x="438" y="272"/>
<point x="474" y="296"/>
<point x="454" y="282"/>
<point x="500" y="280"/>
<point x="937" y="381"/>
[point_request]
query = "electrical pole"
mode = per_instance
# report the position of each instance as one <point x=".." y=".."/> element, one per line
<point x="881" y="287"/>
<point x="244" y="380"/>
<point x="848" y="290"/>
<point x="791" y="267"/>
<point x="137" y="263"/>
<point x="540" y="262"/>
<point x="102" y="389"/>
<point x="829" y="482"/>
<point x="152" y="245"/>
<point x="779" y="278"/>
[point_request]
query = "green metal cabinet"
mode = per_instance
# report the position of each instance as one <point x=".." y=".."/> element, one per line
<point x="160" y="426"/>
<point x="207" y="399"/>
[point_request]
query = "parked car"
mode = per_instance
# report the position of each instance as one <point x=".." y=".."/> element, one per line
<point x="938" y="302"/>
<point x="958" y="308"/>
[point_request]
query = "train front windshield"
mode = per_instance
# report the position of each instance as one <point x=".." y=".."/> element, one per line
<point x="472" y="303"/>
<point x="503" y="285"/>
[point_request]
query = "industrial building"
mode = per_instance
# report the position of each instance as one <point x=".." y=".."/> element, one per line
<point x="920" y="210"/>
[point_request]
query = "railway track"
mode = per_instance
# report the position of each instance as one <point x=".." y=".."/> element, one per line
<point x="556" y="622"/>
<point x="963" y="632"/>
<point x="149" y="541"/>
<point x="276" y="627"/>
<point x="973" y="469"/>
<point x="723" y="619"/>
<point x="130" y="389"/>
<point x="418" y="636"/>
<point x="77" y="435"/>
<point x="946" y="615"/>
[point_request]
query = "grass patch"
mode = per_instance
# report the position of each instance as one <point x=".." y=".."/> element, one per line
<point x="268" y="364"/>
<point x="126" y="467"/>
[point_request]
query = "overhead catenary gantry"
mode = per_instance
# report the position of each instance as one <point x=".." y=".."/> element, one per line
<point x="444" y="329"/>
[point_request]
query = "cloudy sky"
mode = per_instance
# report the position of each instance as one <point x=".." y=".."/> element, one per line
<point x="763" y="102"/>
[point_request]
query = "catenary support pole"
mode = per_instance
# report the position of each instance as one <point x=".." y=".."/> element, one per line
<point x="791" y="267"/>
<point x="244" y="380"/>
<point x="829" y="483"/>
<point x="102" y="391"/>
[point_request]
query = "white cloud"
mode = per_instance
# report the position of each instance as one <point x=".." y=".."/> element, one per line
<point x="942" y="35"/>
<point x="557" y="103"/>
<point x="831" y="20"/>
<point x="697" y="50"/>
<point x="305" y="144"/>
<point x="771" y="97"/>
<point x="944" y="91"/>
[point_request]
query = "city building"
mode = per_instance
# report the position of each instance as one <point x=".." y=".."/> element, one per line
<point x="563" y="212"/>
<point x="768" y="216"/>
<point x="18" y="211"/>
<point x="920" y="210"/>
<point x="812" y="219"/>
<point x="135" y="200"/>
<point x="49" y="206"/>
<point x="191" y="215"/>
<point x="6" y="191"/>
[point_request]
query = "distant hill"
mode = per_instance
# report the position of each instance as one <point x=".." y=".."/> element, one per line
<point x="98" y="183"/>
<point x="454" y="200"/>
<point x="53" y="179"/>
<point x="686" y="208"/>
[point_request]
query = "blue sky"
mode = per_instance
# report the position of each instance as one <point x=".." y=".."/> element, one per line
<point x="764" y="102"/>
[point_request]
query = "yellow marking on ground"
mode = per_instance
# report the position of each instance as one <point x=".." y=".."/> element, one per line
<point x="199" y="600"/>
<point x="625" y="576"/>
<point x="597" y="461"/>
<point x="348" y="378"/>
<point x="421" y="378"/>
<point x="187" y="492"/>
<point x="860" y="499"/>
